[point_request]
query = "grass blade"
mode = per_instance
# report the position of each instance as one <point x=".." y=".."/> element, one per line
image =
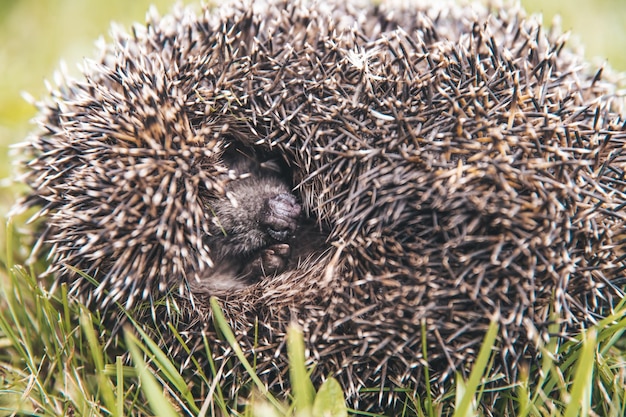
<point x="303" y="390"/>
<point x="580" y="395"/>
<point x="149" y="385"/>
<point x="463" y="408"/>
<point x="222" y="324"/>
<point x="329" y="401"/>
<point x="104" y="383"/>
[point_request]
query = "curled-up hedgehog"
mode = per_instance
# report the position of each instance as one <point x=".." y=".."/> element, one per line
<point x="416" y="169"/>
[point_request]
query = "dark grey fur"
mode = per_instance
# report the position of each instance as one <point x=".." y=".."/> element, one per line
<point x="253" y="224"/>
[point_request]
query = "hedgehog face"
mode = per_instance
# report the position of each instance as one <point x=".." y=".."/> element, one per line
<point x="252" y="222"/>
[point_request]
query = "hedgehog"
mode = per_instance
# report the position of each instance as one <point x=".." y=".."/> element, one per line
<point x="432" y="167"/>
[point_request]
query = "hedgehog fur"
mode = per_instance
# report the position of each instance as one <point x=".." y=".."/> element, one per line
<point x="454" y="164"/>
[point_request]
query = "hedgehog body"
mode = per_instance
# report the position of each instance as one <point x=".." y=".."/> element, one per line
<point x="453" y="165"/>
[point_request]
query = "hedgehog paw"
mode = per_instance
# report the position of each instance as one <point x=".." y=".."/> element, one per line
<point x="270" y="261"/>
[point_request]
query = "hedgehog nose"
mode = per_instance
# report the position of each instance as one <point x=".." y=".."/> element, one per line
<point x="280" y="216"/>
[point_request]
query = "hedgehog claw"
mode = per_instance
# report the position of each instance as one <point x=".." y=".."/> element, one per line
<point x="270" y="261"/>
<point x="274" y="258"/>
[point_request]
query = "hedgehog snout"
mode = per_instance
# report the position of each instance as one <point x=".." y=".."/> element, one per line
<point x="280" y="215"/>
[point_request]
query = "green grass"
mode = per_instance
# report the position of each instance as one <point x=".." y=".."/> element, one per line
<point x="52" y="356"/>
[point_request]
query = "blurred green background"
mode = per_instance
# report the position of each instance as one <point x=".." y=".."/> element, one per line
<point x="36" y="34"/>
